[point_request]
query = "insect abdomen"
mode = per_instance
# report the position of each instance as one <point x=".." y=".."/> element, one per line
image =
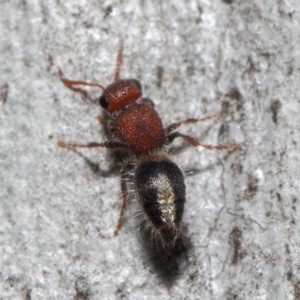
<point x="160" y="189"/>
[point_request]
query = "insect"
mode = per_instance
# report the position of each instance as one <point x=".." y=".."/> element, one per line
<point x="135" y="126"/>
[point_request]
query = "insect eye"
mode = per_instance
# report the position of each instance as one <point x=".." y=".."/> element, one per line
<point x="103" y="102"/>
<point x="137" y="83"/>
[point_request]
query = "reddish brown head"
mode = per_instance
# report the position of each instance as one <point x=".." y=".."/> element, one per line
<point x="119" y="94"/>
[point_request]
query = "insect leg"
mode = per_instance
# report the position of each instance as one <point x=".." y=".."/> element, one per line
<point x="173" y="126"/>
<point x="195" y="143"/>
<point x="111" y="145"/>
<point x="71" y="83"/>
<point x="124" y="197"/>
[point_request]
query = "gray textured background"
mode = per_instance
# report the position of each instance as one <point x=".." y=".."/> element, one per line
<point x="57" y="217"/>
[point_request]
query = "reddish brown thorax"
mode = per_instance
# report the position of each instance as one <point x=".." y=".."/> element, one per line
<point x="140" y="128"/>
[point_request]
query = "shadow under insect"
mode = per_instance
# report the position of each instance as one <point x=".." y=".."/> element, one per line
<point x="167" y="261"/>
